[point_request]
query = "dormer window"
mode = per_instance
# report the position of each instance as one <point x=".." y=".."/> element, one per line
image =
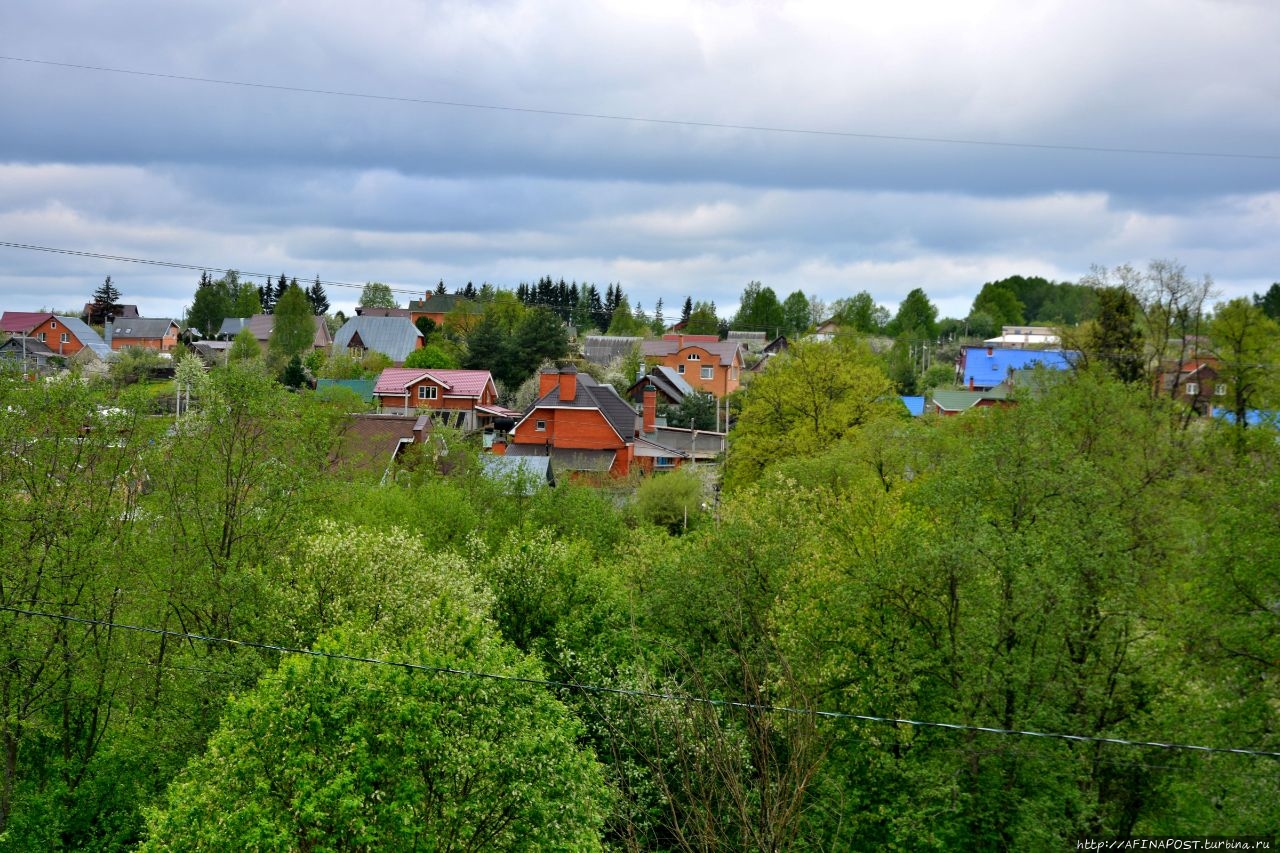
<point x="693" y="356"/>
<point x="426" y="392"/>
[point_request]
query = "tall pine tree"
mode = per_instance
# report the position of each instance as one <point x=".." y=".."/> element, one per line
<point x="319" y="301"/>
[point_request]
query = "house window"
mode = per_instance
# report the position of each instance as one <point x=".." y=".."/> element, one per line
<point x="53" y="324"/>
<point x="42" y="337"/>
<point x="1193" y="389"/>
<point x="679" y="368"/>
<point x="426" y="392"/>
<point x="665" y="462"/>
<point x="708" y="373"/>
<point x="66" y="339"/>
<point x="1220" y="390"/>
<point x="540" y="426"/>
<point x="693" y="356"/>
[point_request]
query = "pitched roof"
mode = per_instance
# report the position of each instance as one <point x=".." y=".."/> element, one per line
<point x="726" y="351"/>
<point x="139" y="327"/>
<point x="667" y="382"/>
<point x="395" y="337"/>
<point x="604" y="349"/>
<point x="915" y="405"/>
<point x="524" y="473"/>
<point x="21" y="322"/>
<point x="457" y="383"/>
<point x="958" y="401"/>
<point x="592" y="395"/>
<point x="598" y="461"/>
<point x="986" y="367"/>
<point x="86" y="336"/>
<point x="382" y="312"/>
<point x="261" y="325"/>
<point x="30" y="346"/>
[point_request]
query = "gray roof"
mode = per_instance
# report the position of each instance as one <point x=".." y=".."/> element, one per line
<point x="87" y="336"/>
<point x="140" y="327"/>
<point x="17" y="345"/>
<point x="667" y="382"/>
<point x="524" y="473"/>
<point x="604" y="349"/>
<point x="701" y="444"/>
<point x="395" y="337"/>
<point x="232" y="326"/>
<point x="592" y="395"/>
<point x="726" y="351"/>
<point x="568" y="459"/>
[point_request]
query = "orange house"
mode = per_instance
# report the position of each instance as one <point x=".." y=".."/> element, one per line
<point x="461" y="398"/>
<point x="586" y="427"/>
<point x="704" y="361"/>
<point x="64" y="336"/>
<point x="161" y="334"/>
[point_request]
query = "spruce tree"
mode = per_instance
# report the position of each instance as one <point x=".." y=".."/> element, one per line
<point x="319" y="301"/>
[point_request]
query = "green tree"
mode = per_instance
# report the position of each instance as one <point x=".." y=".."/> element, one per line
<point x="293" y="375"/>
<point x="328" y="753"/>
<point x="1269" y="302"/>
<point x="795" y="314"/>
<point x="107" y="294"/>
<point x="430" y="356"/>
<point x="861" y="313"/>
<point x="540" y="337"/>
<point x="212" y="305"/>
<point x="319" y="301"/>
<point x="916" y="316"/>
<point x="245" y="347"/>
<point x="813" y="395"/>
<point x="246" y="302"/>
<point x="696" y="408"/>
<point x="1000" y="303"/>
<point x="293" y="331"/>
<point x="759" y="311"/>
<point x="1247" y="343"/>
<point x="703" y="320"/>
<point x="377" y="295"/>
<point x="672" y="501"/>
<point x="624" y="321"/>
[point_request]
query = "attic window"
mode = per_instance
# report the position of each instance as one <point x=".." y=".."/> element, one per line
<point x="540" y="426"/>
<point x="693" y="356"/>
<point x="53" y="324"/>
<point x="426" y="392"/>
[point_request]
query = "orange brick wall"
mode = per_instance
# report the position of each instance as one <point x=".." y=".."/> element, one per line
<point x="164" y="344"/>
<point x="53" y="329"/>
<point x="725" y="380"/>
<point x="575" y="429"/>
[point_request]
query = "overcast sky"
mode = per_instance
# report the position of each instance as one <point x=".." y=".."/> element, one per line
<point x="849" y="196"/>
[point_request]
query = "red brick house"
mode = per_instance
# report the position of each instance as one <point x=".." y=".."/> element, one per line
<point x="589" y="428"/>
<point x="64" y="336"/>
<point x="160" y="335"/>
<point x="466" y="399"/>
<point x="704" y="361"/>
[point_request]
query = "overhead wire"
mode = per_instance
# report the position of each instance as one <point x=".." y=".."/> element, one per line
<point x="616" y="117"/>
<point x="644" y="694"/>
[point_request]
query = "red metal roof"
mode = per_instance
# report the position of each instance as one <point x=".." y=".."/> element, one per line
<point x="18" y="322"/>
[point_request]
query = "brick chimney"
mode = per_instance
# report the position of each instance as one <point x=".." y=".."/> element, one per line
<point x="650" y="409"/>
<point x="547" y="381"/>
<point x="568" y="384"/>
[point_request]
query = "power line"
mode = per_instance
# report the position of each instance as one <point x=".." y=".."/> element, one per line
<point x="641" y="694"/>
<point x="795" y="131"/>
<point x="176" y="265"/>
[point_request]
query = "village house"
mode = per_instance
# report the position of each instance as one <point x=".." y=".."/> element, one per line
<point x="986" y="367"/>
<point x="64" y="336"/>
<point x="394" y="337"/>
<point x="158" y="334"/>
<point x="463" y="399"/>
<point x="704" y="361"/>
<point x="261" y="326"/>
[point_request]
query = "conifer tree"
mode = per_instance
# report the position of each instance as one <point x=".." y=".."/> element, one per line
<point x="319" y="301"/>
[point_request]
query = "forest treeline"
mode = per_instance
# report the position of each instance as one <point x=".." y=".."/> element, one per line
<point x="1086" y="562"/>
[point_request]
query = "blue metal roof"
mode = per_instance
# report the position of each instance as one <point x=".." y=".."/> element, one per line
<point x="87" y="336"/>
<point x="915" y="405"/>
<point x="987" y="367"/>
<point x="395" y="337"/>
